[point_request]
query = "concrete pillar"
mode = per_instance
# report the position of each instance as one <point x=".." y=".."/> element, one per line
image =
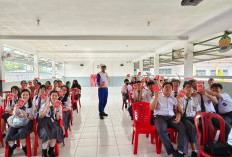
<point x="141" y="66"/>
<point x="36" y="66"/>
<point x="188" y="60"/>
<point x="2" y="69"/>
<point x="156" y="64"/>
<point x="53" y="69"/>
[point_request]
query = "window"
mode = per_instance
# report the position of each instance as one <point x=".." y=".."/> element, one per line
<point x="213" y="72"/>
<point x="165" y="71"/>
<point x="201" y="72"/>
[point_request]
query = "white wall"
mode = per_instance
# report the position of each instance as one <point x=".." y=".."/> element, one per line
<point x="73" y="69"/>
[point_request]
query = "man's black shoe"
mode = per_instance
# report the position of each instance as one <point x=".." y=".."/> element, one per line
<point x="194" y="154"/>
<point x="104" y="114"/>
<point x="101" y="117"/>
<point x="177" y="154"/>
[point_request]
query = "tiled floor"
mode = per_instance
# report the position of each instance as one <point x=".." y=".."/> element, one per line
<point x="92" y="137"/>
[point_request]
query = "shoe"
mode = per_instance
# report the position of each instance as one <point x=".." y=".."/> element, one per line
<point x="194" y="154"/>
<point x="44" y="153"/>
<point x="104" y="114"/>
<point x="101" y="117"/>
<point x="25" y="150"/>
<point x="177" y="154"/>
<point x="51" y="152"/>
<point x="3" y="135"/>
<point x="126" y="106"/>
<point x="11" y="150"/>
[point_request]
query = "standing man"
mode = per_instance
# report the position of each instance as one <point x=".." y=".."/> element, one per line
<point x="102" y="82"/>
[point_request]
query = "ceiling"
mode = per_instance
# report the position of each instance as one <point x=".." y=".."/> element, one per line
<point x="118" y="30"/>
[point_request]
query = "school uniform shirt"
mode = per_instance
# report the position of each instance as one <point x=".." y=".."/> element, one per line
<point x="137" y="93"/>
<point x="30" y="111"/>
<point x="12" y="104"/>
<point x="224" y="104"/>
<point x="193" y="106"/>
<point x="126" y="91"/>
<point x="67" y="104"/>
<point x="147" y="95"/>
<point x="173" y="93"/>
<point x="36" y="102"/>
<point x="48" y="114"/>
<point x="165" y="105"/>
<point x="209" y="107"/>
<point x="102" y="77"/>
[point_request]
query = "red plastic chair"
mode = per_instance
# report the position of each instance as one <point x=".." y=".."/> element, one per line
<point x="1" y="138"/>
<point x="207" y="130"/>
<point x="142" y="122"/>
<point x="28" y="143"/>
<point x="76" y="92"/>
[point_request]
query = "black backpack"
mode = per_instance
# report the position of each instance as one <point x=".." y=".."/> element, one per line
<point x="218" y="148"/>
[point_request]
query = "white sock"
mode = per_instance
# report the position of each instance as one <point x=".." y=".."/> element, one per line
<point x="52" y="144"/>
<point x="23" y="144"/>
<point x="11" y="145"/>
<point x="44" y="145"/>
<point x="229" y="141"/>
<point x="194" y="151"/>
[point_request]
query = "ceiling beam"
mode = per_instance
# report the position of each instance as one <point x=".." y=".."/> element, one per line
<point x="90" y="37"/>
<point x="103" y="51"/>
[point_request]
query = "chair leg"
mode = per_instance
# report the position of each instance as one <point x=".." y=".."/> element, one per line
<point x="57" y="149"/>
<point x="63" y="143"/>
<point x="66" y="133"/>
<point x="7" y="150"/>
<point x="80" y="102"/>
<point x="69" y="127"/>
<point x="133" y="135"/>
<point x="136" y="143"/>
<point x="35" y="144"/>
<point x="152" y="138"/>
<point x="1" y="139"/>
<point x="28" y="145"/>
<point x="18" y="143"/>
<point x="158" y="143"/>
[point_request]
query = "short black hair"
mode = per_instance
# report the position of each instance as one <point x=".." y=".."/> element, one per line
<point x="215" y="85"/>
<point x="187" y="83"/>
<point x="138" y="81"/>
<point x="39" y="83"/>
<point x="166" y="83"/>
<point x="23" y="82"/>
<point x="150" y="83"/>
<point x="175" y="80"/>
<point x="210" y="79"/>
<point x="192" y="81"/>
<point x="126" y="80"/>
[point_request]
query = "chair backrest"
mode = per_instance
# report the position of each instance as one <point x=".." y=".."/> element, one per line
<point x="205" y="121"/>
<point x="74" y="93"/>
<point x="1" y="111"/>
<point x="141" y="114"/>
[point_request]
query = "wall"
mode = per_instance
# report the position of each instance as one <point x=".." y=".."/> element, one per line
<point x="73" y="69"/>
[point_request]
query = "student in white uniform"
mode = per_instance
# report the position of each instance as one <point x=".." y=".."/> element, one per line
<point x="9" y="108"/>
<point x="224" y="102"/>
<point x="13" y="133"/>
<point x="190" y="107"/>
<point x="176" y="86"/>
<point x="207" y="103"/>
<point x="167" y="112"/>
<point x="67" y="106"/>
<point x="38" y="101"/>
<point x="49" y="130"/>
<point x="147" y="94"/>
<point x="125" y="92"/>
